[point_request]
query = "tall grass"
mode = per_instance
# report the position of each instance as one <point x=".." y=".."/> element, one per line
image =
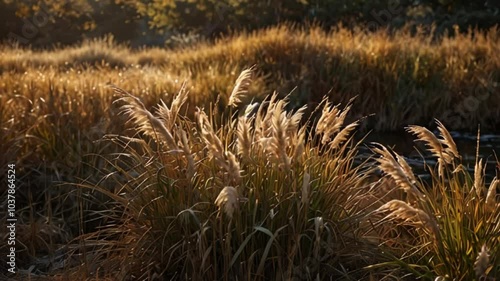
<point x="405" y="77"/>
<point x="248" y="196"/>
<point x="451" y="222"/>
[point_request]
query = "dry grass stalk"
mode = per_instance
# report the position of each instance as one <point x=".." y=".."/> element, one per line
<point x="228" y="199"/>
<point x="482" y="262"/>
<point x="343" y="135"/>
<point x="186" y="148"/>
<point x="399" y="171"/>
<point x="298" y="144"/>
<point x="244" y="137"/>
<point x="241" y="87"/>
<point x="212" y="141"/>
<point x="478" y="177"/>
<point x="145" y="121"/>
<point x="233" y="168"/>
<point x="305" y="188"/>
<point x="263" y="126"/>
<point x="279" y="138"/>
<point x="169" y="115"/>
<point x="491" y="200"/>
<point x="272" y="131"/>
<point x="225" y="159"/>
<point x="294" y="121"/>
<point x="400" y="210"/>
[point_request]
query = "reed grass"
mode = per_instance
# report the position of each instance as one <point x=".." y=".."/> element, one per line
<point x="215" y="179"/>
<point x="238" y="214"/>
<point x="450" y="223"/>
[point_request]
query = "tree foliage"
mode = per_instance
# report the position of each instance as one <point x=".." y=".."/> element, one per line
<point x="128" y="19"/>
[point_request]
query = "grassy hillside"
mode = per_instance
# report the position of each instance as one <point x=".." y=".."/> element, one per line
<point x="401" y="78"/>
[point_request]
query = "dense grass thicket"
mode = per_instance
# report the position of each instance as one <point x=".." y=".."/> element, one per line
<point x="128" y="172"/>
<point x="402" y="78"/>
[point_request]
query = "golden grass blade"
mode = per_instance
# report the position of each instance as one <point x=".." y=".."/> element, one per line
<point x="451" y="146"/>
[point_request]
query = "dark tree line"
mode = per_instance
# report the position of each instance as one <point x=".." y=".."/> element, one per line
<point x="47" y="22"/>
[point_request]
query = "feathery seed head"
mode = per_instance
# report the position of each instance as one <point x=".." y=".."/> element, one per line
<point x="244" y="137"/>
<point x="169" y="115"/>
<point x="447" y="139"/>
<point x="330" y="121"/>
<point x="191" y="168"/>
<point x="212" y="141"/>
<point x="478" y="177"/>
<point x="433" y="144"/>
<point x="146" y="122"/>
<point x="241" y="87"/>
<point x="343" y="135"/>
<point x="401" y="210"/>
<point x="233" y="168"/>
<point x="298" y="144"/>
<point x="249" y="109"/>
<point x="228" y="200"/>
<point x="423" y="134"/>
<point x="305" y="188"/>
<point x="399" y="170"/>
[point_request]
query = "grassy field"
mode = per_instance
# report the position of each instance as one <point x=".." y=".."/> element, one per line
<point x="192" y="166"/>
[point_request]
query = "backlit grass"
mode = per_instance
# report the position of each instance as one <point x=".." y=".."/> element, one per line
<point x="191" y="182"/>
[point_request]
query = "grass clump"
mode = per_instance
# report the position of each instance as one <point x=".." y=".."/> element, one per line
<point x="248" y="196"/>
<point x="407" y="77"/>
<point x="443" y="228"/>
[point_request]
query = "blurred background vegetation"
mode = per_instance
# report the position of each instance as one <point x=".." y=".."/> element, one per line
<point x="160" y="22"/>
